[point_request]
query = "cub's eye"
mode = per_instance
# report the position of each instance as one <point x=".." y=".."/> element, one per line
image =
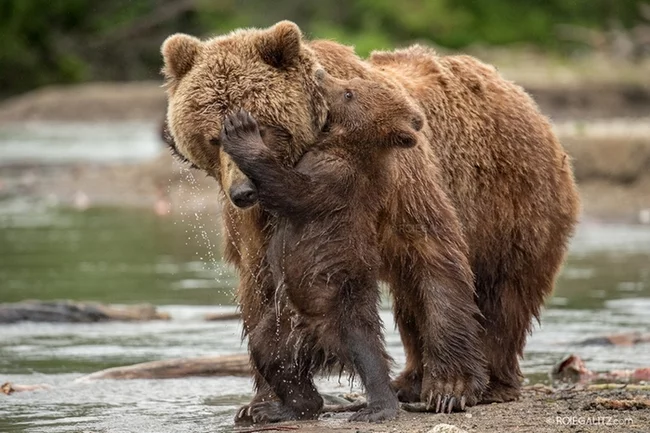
<point x="215" y="141"/>
<point x="348" y="94"/>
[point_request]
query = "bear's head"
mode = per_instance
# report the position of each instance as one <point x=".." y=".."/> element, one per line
<point x="369" y="113"/>
<point x="269" y="72"/>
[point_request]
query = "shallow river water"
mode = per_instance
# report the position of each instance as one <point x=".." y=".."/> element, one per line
<point x="129" y="256"/>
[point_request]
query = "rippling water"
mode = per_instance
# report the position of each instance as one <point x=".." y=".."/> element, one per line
<point x="116" y="255"/>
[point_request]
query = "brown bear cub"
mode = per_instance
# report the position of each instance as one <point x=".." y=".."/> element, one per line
<point x="324" y="257"/>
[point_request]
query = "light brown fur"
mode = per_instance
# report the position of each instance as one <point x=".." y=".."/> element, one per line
<point x="476" y="224"/>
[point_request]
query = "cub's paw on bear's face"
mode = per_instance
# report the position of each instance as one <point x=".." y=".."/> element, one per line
<point x="240" y="135"/>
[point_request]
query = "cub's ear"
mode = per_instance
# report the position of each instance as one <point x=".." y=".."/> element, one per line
<point x="179" y="52"/>
<point x="405" y="135"/>
<point x="403" y="138"/>
<point x="279" y="46"/>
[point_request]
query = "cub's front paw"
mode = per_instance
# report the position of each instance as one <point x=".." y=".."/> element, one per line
<point x="240" y="129"/>
<point x="240" y="125"/>
<point x="447" y="394"/>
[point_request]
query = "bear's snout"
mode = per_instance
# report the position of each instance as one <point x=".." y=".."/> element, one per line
<point x="243" y="194"/>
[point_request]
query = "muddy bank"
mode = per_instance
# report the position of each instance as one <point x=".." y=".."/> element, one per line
<point x="613" y="175"/>
<point x="540" y="410"/>
<point x="90" y="102"/>
<point x="605" y="127"/>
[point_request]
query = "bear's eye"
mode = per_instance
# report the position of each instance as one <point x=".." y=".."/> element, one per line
<point x="348" y="94"/>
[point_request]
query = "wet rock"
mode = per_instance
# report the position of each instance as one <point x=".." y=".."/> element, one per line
<point x="573" y="369"/>
<point x="10" y="388"/>
<point x="76" y="312"/>
<point x="217" y="317"/>
<point x="627" y="339"/>
<point x="226" y="365"/>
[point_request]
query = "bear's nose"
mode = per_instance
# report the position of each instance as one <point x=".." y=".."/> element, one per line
<point x="243" y="195"/>
<point x="320" y="74"/>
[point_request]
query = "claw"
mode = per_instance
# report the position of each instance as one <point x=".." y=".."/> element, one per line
<point x="248" y="411"/>
<point x="451" y="404"/>
<point x="438" y="403"/>
<point x="443" y="406"/>
<point x="463" y="400"/>
<point x="430" y="400"/>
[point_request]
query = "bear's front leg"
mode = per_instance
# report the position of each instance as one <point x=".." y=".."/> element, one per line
<point x="435" y="309"/>
<point x="453" y="367"/>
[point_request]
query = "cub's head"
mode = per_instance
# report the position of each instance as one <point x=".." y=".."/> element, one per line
<point x="268" y="72"/>
<point x="366" y="112"/>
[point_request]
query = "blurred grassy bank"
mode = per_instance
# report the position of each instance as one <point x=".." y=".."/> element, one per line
<point x="47" y="42"/>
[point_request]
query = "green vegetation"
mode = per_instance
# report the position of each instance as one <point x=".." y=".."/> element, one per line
<point x="63" y="41"/>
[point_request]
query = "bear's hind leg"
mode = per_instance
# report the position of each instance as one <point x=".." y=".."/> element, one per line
<point x="509" y="307"/>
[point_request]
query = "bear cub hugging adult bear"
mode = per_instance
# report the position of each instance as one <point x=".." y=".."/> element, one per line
<point x="324" y="255"/>
<point x="472" y="231"/>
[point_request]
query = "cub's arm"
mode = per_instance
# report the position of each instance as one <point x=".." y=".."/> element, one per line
<point x="320" y="183"/>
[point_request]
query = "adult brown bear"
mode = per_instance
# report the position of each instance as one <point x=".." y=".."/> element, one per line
<point x="476" y="224"/>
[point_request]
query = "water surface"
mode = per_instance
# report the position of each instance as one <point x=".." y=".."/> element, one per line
<point x="128" y="256"/>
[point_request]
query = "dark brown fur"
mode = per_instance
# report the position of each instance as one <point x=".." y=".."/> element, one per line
<point x="475" y="222"/>
<point x="324" y="254"/>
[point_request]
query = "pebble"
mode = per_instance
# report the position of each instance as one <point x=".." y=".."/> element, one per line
<point x="446" y="428"/>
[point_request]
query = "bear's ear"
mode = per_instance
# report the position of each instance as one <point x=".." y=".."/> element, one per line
<point x="405" y="134"/>
<point x="179" y="53"/>
<point x="280" y="45"/>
